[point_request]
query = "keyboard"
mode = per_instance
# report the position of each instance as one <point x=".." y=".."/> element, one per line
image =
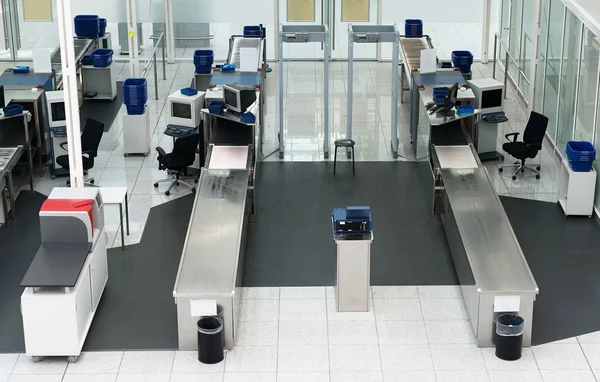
<point x="178" y="131"/>
<point x="495" y="117"/>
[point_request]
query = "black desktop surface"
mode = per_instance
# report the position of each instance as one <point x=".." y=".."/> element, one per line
<point x="56" y="265"/>
<point x="232" y="133"/>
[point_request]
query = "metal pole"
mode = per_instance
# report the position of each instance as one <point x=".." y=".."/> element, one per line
<point x="396" y="52"/>
<point x="164" y="59"/>
<point x="495" y="55"/>
<point x="280" y="94"/>
<point x="506" y="75"/>
<point x="155" y="76"/>
<point x="487" y="5"/>
<point x="134" y="62"/>
<point x="326" y="95"/>
<point x="350" y="81"/>
<point x="69" y="72"/>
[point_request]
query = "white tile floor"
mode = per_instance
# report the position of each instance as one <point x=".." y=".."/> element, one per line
<point x="408" y="335"/>
<point x="303" y="134"/>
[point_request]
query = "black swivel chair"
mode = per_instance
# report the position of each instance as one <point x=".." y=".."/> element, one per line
<point x="90" y="140"/>
<point x="177" y="162"/>
<point x="528" y="148"/>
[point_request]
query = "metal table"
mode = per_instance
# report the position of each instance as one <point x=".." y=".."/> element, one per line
<point x="8" y="138"/>
<point x="9" y="156"/>
<point x="213" y="253"/>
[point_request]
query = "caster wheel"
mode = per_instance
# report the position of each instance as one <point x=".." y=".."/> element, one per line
<point x="167" y="193"/>
<point x="125" y="155"/>
<point x="523" y="171"/>
<point x="193" y="190"/>
<point x="500" y="169"/>
<point x="92" y="181"/>
<point x="195" y="180"/>
<point x="514" y="178"/>
<point x="538" y="168"/>
<point x="73" y="358"/>
<point x="53" y="176"/>
<point x="155" y="185"/>
<point x="537" y="176"/>
<point x="36" y="358"/>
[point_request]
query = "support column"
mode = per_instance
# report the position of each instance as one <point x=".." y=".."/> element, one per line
<point x="350" y="80"/>
<point x="69" y="71"/>
<point x="485" y="37"/>
<point x="281" y="84"/>
<point x="537" y="31"/>
<point x="326" y="95"/>
<point x="134" y="61"/>
<point x="169" y="32"/>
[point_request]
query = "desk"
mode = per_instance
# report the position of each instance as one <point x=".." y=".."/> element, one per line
<point x="117" y="195"/>
<point x="8" y="159"/>
<point x="28" y="80"/>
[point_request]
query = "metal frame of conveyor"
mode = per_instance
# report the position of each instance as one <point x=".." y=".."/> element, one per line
<point x="305" y="34"/>
<point x="492" y="270"/>
<point x="374" y="34"/>
<point x="212" y="261"/>
<point x="410" y="54"/>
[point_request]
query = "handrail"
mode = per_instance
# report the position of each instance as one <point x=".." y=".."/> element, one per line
<point x="209" y="37"/>
<point x="497" y="39"/>
<point x="161" y="43"/>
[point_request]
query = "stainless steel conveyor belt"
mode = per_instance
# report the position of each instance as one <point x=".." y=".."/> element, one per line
<point x="492" y="270"/>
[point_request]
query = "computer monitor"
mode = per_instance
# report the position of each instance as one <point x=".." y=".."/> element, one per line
<point x="185" y="110"/>
<point x="57" y="116"/>
<point x="489" y="95"/>
<point x="238" y="98"/>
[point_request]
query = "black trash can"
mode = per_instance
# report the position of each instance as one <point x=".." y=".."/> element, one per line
<point x="210" y="340"/>
<point x="221" y="316"/>
<point x="509" y="336"/>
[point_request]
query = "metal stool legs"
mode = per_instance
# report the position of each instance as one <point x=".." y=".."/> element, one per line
<point x="335" y="160"/>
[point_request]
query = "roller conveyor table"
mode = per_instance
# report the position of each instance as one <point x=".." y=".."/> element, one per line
<point x="410" y="53"/>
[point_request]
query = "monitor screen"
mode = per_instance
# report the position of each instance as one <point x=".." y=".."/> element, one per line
<point x="230" y="97"/>
<point x="491" y="98"/>
<point x="58" y="111"/>
<point x="181" y="110"/>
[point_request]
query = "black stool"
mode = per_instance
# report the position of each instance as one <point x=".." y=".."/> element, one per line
<point x="344" y="143"/>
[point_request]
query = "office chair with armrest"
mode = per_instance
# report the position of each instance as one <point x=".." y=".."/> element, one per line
<point x="177" y="162"/>
<point x="90" y="140"/>
<point x="533" y="137"/>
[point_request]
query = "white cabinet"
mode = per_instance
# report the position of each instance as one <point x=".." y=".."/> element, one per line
<point x="136" y="133"/>
<point x="576" y="191"/>
<point x="56" y="320"/>
<point x="102" y="81"/>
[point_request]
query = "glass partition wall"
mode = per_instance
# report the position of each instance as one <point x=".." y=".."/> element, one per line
<point x="568" y="79"/>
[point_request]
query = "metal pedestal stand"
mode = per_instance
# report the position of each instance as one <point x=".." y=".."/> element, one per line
<point x="304" y="34"/>
<point x="353" y="272"/>
<point x="373" y="34"/>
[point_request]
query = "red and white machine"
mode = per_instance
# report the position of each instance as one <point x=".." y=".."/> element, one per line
<point x="67" y="277"/>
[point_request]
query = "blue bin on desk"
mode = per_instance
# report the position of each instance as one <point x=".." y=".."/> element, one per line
<point x="203" y="60"/>
<point x="216" y="107"/>
<point x="101" y="58"/>
<point x="87" y="26"/>
<point x="13" y="109"/>
<point x="462" y="59"/>
<point x="253" y="30"/>
<point x="413" y="28"/>
<point x="581" y="155"/>
<point x="102" y="26"/>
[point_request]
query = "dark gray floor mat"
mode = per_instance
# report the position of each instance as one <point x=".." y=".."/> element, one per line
<point x="291" y="243"/>
<point x="102" y="110"/>
<point x="564" y="257"/>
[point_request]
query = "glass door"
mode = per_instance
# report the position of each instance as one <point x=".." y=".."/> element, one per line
<point x="504" y="27"/>
<point x="337" y="15"/>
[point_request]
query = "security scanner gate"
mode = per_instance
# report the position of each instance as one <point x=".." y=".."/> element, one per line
<point x="374" y="34"/>
<point x="305" y="34"/>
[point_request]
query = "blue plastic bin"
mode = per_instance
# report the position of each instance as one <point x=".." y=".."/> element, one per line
<point x="581" y="155"/>
<point x="102" y="27"/>
<point x="465" y="109"/>
<point x="135" y="109"/>
<point x="13" y="109"/>
<point x="135" y="92"/>
<point x="462" y="59"/>
<point x="252" y="30"/>
<point x="87" y="25"/>
<point x="413" y="28"/>
<point x="216" y="107"/>
<point x="203" y="60"/>
<point x="101" y="58"/>
<point x="188" y="92"/>
<point x="228" y="68"/>
<point x="20" y="69"/>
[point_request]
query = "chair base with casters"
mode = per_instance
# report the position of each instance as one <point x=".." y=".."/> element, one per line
<point x="174" y="182"/>
<point x="345" y="143"/>
<point x="521" y="167"/>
